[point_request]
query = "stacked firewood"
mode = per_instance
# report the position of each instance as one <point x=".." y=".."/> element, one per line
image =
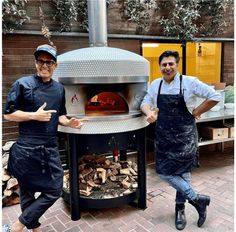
<point x="10" y="187"/>
<point x="100" y="177"/>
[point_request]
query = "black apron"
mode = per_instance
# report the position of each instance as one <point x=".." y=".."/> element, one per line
<point x="34" y="159"/>
<point x="176" y="135"/>
<point x="37" y="168"/>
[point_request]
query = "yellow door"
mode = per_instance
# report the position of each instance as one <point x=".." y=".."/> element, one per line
<point x="203" y="60"/>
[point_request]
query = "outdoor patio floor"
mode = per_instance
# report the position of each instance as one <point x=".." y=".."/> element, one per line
<point x="215" y="177"/>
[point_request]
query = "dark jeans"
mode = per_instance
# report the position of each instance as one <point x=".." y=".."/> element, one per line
<point x="33" y="208"/>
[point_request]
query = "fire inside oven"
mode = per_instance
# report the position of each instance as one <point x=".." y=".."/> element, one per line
<point x="106" y="103"/>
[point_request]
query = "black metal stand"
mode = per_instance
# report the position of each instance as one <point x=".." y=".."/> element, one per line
<point x="141" y="148"/>
<point x="85" y="144"/>
<point x="73" y="171"/>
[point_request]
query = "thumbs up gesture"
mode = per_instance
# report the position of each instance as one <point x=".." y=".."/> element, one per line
<point x="43" y="115"/>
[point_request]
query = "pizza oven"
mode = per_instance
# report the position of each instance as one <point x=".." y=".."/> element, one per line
<point x="104" y="86"/>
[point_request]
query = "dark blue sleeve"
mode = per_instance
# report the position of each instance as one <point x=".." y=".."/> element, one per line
<point x="13" y="99"/>
<point x="63" y="103"/>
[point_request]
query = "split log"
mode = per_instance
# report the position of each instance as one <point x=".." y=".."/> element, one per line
<point x="109" y="172"/>
<point x="113" y="178"/>
<point x="125" y="183"/>
<point x="10" y="185"/>
<point x="8" y="145"/>
<point x="86" y="171"/>
<point x="102" y="173"/>
<point x="5" y="158"/>
<point x="5" y="175"/>
<point x="100" y="176"/>
<point x="114" y="172"/>
<point x="125" y="171"/>
<point x="101" y="160"/>
<point x="7" y="192"/>
<point x="11" y="200"/>
<point x="86" y="192"/>
<point x="92" y="184"/>
<point x="133" y="172"/>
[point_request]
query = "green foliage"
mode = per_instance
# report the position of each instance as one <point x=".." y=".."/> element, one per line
<point x="72" y="10"/>
<point x="181" y="20"/>
<point x="83" y="14"/>
<point x="189" y="19"/>
<point x="214" y="12"/>
<point x="66" y="12"/>
<point x="13" y="14"/>
<point x="137" y="11"/>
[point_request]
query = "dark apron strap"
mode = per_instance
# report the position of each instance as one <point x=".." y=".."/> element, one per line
<point x="159" y="89"/>
<point x="180" y="84"/>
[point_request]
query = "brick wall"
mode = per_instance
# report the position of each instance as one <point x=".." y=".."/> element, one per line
<point x="228" y="72"/>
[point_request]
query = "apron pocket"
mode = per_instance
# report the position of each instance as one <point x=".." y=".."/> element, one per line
<point x="25" y="161"/>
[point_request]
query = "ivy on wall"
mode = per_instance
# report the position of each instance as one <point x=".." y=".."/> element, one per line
<point x="214" y="12"/>
<point x="66" y="13"/>
<point x="13" y="14"/>
<point x="183" y="18"/>
<point x="181" y="22"/>
<point x="138" y="12"/>
<point x="69" y="10"/>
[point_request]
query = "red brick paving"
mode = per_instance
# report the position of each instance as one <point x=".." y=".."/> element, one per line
<point x="215" y="177"/>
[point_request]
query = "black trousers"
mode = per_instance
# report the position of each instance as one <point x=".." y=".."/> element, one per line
<point x="34" y="207"/>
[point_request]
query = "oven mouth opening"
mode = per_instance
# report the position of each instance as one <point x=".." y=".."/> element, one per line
<point x="106" y="103"/>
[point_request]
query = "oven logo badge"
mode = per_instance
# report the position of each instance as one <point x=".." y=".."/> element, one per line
<point x="74" y="99"/>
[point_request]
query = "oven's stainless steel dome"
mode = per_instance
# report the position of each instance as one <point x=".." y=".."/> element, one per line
<point x="101" y="65"/>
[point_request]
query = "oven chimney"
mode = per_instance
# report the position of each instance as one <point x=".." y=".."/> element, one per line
<point x="97" y="18"/>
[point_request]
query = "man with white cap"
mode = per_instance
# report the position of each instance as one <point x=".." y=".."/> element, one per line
<point x="37" y="102"/>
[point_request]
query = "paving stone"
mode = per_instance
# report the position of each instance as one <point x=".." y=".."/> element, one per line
<point x="74" y="229"/>
<point x="215" y="177"/>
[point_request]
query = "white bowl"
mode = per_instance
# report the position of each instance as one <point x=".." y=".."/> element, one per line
<point x="229" y="105"/>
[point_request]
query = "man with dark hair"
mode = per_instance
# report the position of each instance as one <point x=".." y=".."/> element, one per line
<point x="170" y="102"/>
<point x="37" y="102"/>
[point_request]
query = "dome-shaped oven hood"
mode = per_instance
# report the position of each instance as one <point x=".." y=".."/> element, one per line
<point x="101" y="65"/>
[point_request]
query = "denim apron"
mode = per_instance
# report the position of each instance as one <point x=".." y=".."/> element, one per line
<point x="34" y="159"/>
<point x="176" y="135"/>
